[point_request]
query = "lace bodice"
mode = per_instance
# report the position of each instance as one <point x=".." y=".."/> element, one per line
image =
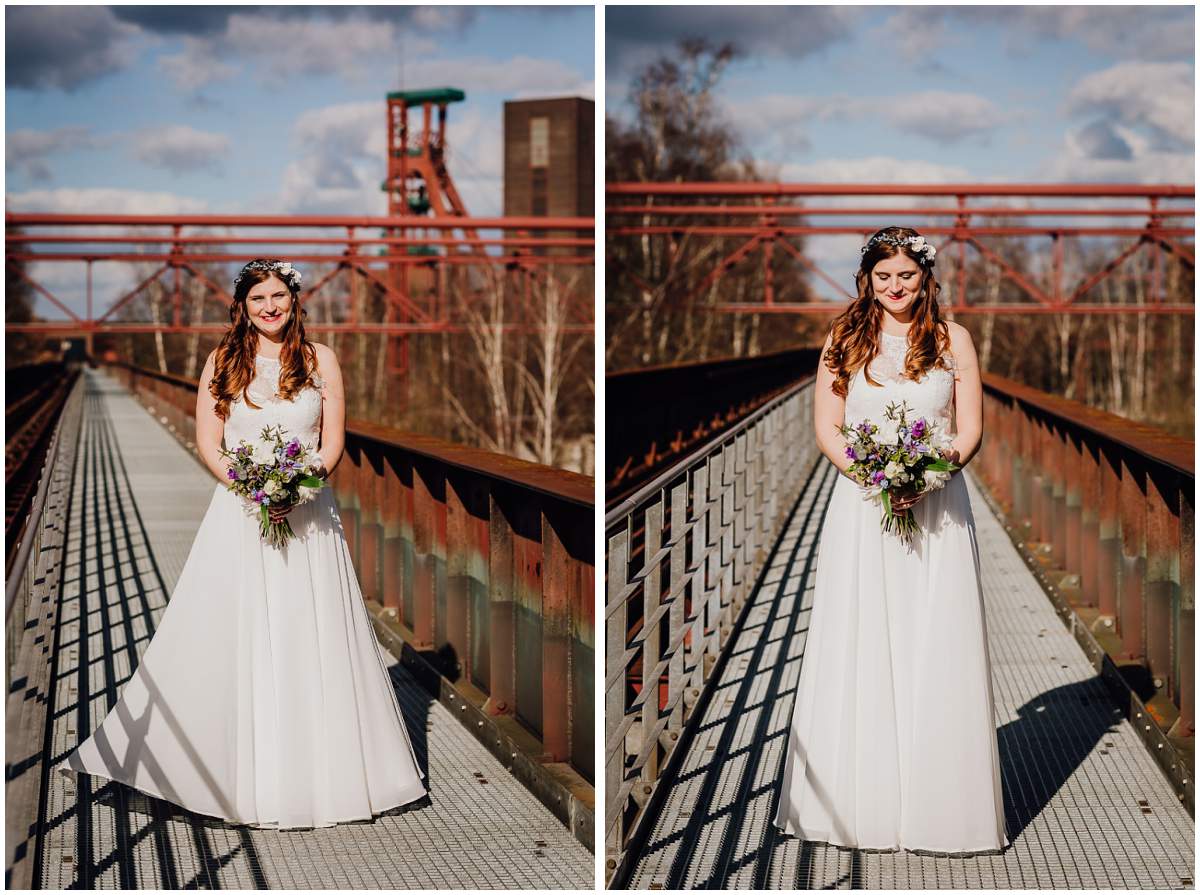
<point x="299" y="417"/>
<point x="931" y="396"/>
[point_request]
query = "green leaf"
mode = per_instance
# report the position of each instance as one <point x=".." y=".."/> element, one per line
<point x="312" y="481"/>
<point x="942" y="466"/>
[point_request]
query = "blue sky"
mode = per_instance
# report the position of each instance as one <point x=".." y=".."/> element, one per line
<point x="939" y="94"/>
<point x="266" y="109"/>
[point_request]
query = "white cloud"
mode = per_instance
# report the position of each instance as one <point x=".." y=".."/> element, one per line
<point x="516" y="75"/>
<point x="357" y="129"/>
<point x="1156" y="95"/>
<point x="785" y="120"/>
<point x="180" y="149"/>
<point x="944" y="115"/>
<point x="1076" y="162"/>
<point x="351" y="48"/>
<point x="343" y="160"/>
<point x="197" y="65"/>
<point x="103" y="201"/>
<point x="27" y="150"/>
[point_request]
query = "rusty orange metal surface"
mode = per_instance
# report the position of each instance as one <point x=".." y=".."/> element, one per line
<point x="758" y="224"/>
<point x="1114" y="500"/>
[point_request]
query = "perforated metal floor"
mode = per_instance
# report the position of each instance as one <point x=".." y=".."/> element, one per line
<point x="1086" y="806"/>
<point x="137" y="500"/>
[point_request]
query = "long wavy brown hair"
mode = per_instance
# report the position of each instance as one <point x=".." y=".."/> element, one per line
<point x="855" y="331"/>
<point x="234" y="361"/>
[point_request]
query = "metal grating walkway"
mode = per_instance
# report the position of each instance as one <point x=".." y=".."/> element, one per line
<point x="1086" y="806"/>
<point x="137" y="499"/>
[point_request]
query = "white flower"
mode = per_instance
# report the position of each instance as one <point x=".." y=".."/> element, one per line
<point x="936" y="479"/>
<point x="272" y="487"/>
<point x="264" y="454"/>
<point x="893" y="469"/>
<point x="889" y="432"/>
<point x="917" y="242"/>
<point x="289" y="273"/>
<point x="307" y="494"/>
<point x="941" y="440"/>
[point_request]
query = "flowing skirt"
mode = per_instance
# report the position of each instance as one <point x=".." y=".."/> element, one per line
<point x="263" y="697"/>
<point x="893" y="741"/>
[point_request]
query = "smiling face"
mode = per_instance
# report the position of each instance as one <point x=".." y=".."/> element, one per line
<point x="896" y="281"/>
<point x="268" y="305"/>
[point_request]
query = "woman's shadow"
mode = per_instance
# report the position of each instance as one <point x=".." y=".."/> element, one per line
<point x="1053" y="735"/>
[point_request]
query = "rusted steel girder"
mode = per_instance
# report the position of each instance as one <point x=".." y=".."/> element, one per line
<point x="417" y="302"/>
<point x="1114" y="500"/>
<point x="676" y="220"/>
<point x="485" y="561"/>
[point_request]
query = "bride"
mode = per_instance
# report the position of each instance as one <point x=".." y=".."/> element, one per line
<point x="892" y="742"/>
<point x="263" y="697"/>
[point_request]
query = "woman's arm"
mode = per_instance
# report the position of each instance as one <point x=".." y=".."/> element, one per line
<point x="968" y="396"/>
<point x="829" y="412"/>
<point x="333" y="409"/>
<point x="210" y="428"/>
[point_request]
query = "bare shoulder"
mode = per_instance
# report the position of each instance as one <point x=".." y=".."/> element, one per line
<point x="326" y="357"/>
<point x="957" y="330"/>
<point x="962" y="346"/>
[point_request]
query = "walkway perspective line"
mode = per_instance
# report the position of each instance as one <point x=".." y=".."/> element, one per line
<point x="136" y="502"/>
<point x="1086" y="806"/>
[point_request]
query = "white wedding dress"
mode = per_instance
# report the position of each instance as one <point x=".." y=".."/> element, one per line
<point x="263" y="697"/>
<point x="892" y="742"/>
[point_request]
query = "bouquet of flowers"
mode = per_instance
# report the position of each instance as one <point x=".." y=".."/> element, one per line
<point x="271" y="473"/>
<point x="898" y="456"/>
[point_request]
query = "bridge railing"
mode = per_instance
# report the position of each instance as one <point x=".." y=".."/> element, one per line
<point x="484" y="562"/>
<point x="1114" y="500"/>
<point x="682" y="554"/>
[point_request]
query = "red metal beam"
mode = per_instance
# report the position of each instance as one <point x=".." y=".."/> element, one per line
<point x="41" y="289"/>
<point x="1023" y="308"/>
<point x="82" y="327"/>
<point x="524" y="242"/>
<point x="858" y="230"/>
<point x="388" y="260"/>
<point x="413" y="222"/>
<point x="895" y="189"/>
<point x="882" y="211"/>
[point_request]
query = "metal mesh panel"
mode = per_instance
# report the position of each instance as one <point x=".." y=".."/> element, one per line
<point x="137" y="501"/>
<point x="1086" y="806"/>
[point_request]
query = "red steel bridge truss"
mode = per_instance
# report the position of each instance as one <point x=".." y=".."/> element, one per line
<point x="432" y="262"/>
<point x="758" y="218"/>
<point x="430" y="280"/>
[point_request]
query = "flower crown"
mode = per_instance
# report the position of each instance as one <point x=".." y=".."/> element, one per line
<point x="284" y="269"/>
<point x="917" y="243"/>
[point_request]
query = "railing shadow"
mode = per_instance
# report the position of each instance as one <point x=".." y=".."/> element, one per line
<point x="739" y="785"/>
<point x="110" y="564"/>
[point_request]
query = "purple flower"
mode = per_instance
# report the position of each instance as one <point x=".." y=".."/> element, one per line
<point x="293" y="447"/>
<point x="850" y="453"/>
<point x="877" y="476"/>
<point x="231" y="472"/>
<point x="918" y="429"/>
